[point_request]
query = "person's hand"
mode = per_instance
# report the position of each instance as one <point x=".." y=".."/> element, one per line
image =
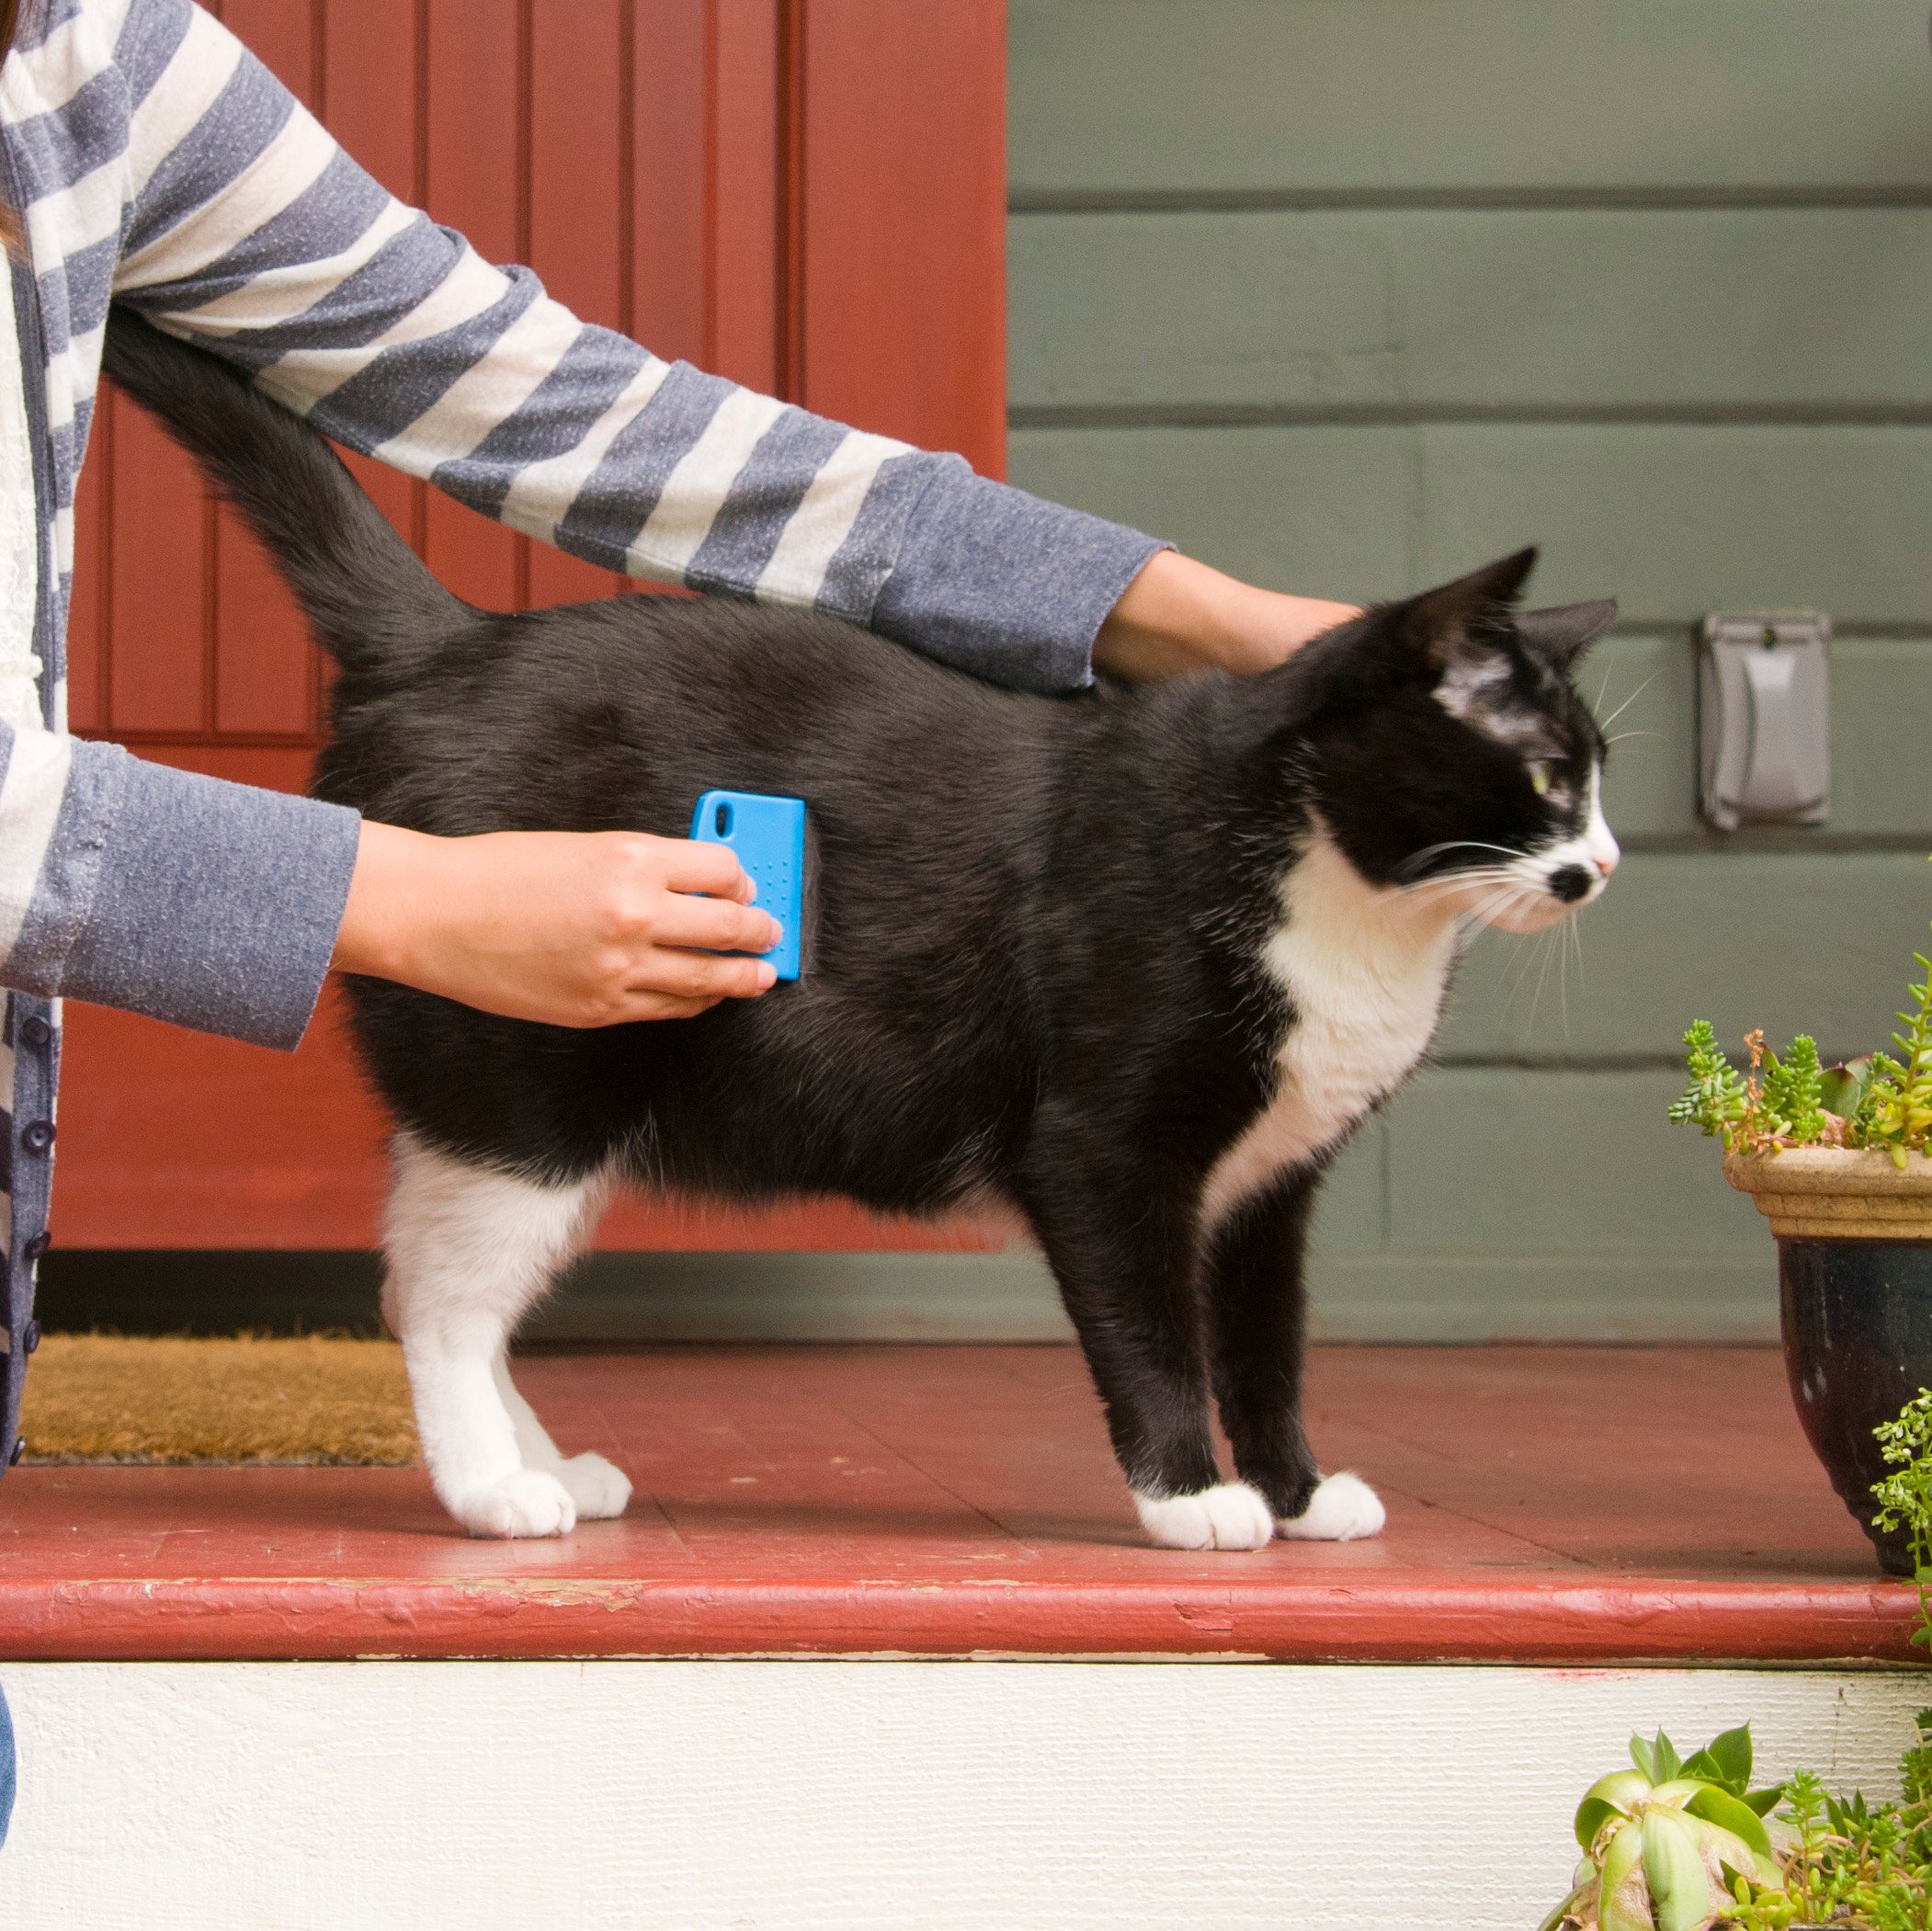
<point x="570" y="929"/>
<point x="1179" y="615"/>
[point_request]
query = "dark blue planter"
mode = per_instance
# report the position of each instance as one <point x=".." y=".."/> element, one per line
<point x="1857" y="1317"/>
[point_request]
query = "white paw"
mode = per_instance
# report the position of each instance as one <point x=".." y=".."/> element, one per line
<point x="599" y="1488"/>
<point x="1342" y="1508"/>
<point x="525" y="1504"/>
<point x="1230" y="1515"/>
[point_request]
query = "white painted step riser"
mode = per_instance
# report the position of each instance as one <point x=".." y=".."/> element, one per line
<point x="845" y="1796"/>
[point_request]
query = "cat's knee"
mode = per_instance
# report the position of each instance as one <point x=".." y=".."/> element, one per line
<point x="467" y="1245"/>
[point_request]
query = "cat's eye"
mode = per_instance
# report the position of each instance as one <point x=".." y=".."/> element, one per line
<point x="1538" y="768"/>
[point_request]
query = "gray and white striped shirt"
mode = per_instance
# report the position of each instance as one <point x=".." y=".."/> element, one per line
<point x="155" y="162"/>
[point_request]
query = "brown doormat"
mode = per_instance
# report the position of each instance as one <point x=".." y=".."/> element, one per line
<point x="128" y="1398"/>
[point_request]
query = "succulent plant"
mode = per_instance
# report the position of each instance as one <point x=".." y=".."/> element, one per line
<point x="1664" y="1842"/>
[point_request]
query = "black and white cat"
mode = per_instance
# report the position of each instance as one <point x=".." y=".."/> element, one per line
<point x="1136" y="962"/>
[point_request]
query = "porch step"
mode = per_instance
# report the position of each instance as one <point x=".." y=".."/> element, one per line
<point x="1581" y="1506"/>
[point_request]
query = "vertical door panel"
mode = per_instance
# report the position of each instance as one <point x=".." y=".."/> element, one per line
<point x="477" y="93"/>
<point x="903" y="244"/>
<point x="578" y="201"/>
<point x="262" y="680"/>
<point x="157" y="582"/>
<point x="670" y="83"/>
<point x="749" y="113"/>
<point x="374" y="84"/>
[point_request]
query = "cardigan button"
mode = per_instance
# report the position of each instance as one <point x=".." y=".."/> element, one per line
<point x="36" y="1032"/>
<point x="37" y="1245"/>
<point x="32" y="1336"/>
<point x="37" y="1135"/>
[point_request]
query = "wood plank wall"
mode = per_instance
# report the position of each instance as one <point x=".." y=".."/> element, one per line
<point x="1350" y="295"/>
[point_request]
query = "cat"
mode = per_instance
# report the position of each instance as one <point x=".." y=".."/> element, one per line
<point x="1136" y="962"/>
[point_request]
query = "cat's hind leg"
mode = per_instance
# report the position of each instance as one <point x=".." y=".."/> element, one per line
<point x="1257" y="1318"/>
<point x="469" y="1249"/>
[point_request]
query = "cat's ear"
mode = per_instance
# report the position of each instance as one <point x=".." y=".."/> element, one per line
<point x="1561" y="634"/>
<point x="1466" y="621"/>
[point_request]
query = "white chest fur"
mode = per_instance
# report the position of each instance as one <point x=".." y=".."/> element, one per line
<point x="1365" y="968"/>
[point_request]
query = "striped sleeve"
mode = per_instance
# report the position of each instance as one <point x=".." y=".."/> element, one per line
<point x="213" y="905"/>
<point x="251" y="232"/>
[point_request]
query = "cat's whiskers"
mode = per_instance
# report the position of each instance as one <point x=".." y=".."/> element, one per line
<point x="1605" y="723"/>
<point x="1417" y="860"/>
<point x="1521" y="960"/>
<point x="1544" y="953"/>
<point x="1511" y="892"/>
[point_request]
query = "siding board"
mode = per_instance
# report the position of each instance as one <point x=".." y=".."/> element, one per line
<point x="1813" y="942"/>
<point x="1181" y="97"/>
<point x="1509" y="1202"/>
<point x="1810" y="311"/>
<point x="1673" y="519"/>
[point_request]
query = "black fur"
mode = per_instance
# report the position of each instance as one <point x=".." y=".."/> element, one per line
<point x="1034" y="942"/>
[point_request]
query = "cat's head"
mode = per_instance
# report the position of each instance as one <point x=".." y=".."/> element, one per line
<point x="1454" y="758"/>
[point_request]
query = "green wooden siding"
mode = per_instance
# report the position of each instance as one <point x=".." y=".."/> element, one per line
<point x="1349" y="295"/>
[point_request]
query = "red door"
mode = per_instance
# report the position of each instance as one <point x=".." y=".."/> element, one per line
<point x="805" y="195"/>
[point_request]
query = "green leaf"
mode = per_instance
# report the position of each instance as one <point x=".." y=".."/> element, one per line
<point x="1622" y="1902"/>
<point x="1610" y="1796"/>
<point x="1644" y="1755"/>
<point x="1842" y="1089"/>
<point x="1765" y="1801"/>
<point x="1680" y="1891"/>
<point x="1734" y="1814"/>
<point x="1725" y="1760"/>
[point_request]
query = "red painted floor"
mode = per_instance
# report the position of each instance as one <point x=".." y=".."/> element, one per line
<point x="1548" y="1504"/>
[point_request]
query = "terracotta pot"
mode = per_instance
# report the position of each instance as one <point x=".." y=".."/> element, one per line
<point x="1855" y="1302"/>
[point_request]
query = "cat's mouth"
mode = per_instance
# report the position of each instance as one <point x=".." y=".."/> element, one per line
<point x="1538" y="888"/>
<point x="1544" y="887"/>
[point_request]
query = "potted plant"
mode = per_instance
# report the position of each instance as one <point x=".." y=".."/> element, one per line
<point x="1836" y="1159"/>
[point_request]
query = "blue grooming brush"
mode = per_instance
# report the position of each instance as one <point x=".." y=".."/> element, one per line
<point x="767" y="836"/>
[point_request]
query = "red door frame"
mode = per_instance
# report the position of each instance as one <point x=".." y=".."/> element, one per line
<point x="805" y="195"/>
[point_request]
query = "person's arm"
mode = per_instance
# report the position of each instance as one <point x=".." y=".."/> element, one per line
<point x="251" y="232"/>
<point x="1179" y="615"/>
<point x="569" y="927"/>
<point x="221" y="907"/>
<point x="162" y="892"/>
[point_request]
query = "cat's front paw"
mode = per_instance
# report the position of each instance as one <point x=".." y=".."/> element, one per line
<point x="1229" y="1516"/>
<point x="1342" y="1509"/>
<point x="525" y="1504"/>
<point x="599" y="1488"/>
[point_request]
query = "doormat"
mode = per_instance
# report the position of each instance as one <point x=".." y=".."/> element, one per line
<point x="317" y="1399"/>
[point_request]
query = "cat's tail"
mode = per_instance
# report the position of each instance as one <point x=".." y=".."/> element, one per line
<point x="367" y="595"/>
